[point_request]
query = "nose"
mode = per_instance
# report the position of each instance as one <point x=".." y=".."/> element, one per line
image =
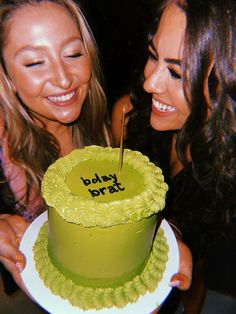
<point x="61" y="75"/>
<point x="155" y="80"/>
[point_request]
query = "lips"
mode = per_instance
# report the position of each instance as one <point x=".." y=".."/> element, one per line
<point x="62" y="98"/>
<point x="162" y="107"/>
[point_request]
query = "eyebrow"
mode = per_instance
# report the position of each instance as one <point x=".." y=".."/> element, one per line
<point x="29" y="48"/>
<point x="42" y="47"/>
<point x="168" y="60"/>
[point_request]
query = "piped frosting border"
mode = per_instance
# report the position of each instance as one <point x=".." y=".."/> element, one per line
<point x="74" y="208"/>
<point x="90" y="298"/>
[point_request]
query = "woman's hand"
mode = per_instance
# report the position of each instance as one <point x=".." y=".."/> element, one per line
<point x="12" y="228"/>
<point x="182" y="280"/>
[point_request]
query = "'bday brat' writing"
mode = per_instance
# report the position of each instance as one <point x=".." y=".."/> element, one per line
<point x="114" y="187"/>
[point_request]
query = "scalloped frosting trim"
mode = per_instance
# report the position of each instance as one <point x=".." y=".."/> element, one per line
<point x="88" y="298"/>
<point x="76" y="209"/>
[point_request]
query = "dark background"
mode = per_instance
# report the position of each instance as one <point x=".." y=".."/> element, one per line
<point x="120" y="29"/>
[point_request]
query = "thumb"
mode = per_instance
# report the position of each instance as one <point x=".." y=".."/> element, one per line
<point x="181" y="281"/>
<point x="183" y="278"/>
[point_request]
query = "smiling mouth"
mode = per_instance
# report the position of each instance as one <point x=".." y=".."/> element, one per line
<point x="62" y="98"/>
<point x="162" y="107"/>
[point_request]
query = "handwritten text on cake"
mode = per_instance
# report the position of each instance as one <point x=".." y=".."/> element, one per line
<point x="114" y="187"/>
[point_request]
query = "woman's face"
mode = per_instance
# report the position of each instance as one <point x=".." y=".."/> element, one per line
<point x="47" y="63"/>
<point x="163" y="72"/>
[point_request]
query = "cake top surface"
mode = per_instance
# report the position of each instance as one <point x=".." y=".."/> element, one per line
<point x="85" y="187"/>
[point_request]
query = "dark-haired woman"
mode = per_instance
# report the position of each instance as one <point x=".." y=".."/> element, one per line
<point x="185" y="121"/>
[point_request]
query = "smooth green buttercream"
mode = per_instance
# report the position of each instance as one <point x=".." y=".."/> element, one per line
<point x="144" y="193"/>
<point x="96" y="256"/>
<point x="100" y="181"/>
<point x="98" y="298"/>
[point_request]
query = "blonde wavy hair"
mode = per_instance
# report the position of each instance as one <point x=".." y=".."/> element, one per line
<point x="32" y="147"/>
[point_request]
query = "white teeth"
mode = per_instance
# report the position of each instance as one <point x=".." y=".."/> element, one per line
<point x="162" y="107"/>
<point x="61" y="98"/>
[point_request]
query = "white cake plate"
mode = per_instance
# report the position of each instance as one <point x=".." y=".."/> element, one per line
<point x="55" y="305"/>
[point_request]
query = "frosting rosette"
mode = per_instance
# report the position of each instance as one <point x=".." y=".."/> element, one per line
<point x="85" y="187"/>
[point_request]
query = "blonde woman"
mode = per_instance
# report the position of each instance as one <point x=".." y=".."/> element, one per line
<point x="51" y="102"/>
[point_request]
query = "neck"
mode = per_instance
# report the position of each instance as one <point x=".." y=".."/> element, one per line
<point x="65" y="140"/>
<point x="63" y="134"/>
<point x="175" y="163"/>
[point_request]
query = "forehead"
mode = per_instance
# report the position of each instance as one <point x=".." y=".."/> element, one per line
<point x="32" y="19"/>
<point x="171" y="30"/>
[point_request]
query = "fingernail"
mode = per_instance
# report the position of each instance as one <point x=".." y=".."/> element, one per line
<point x="19" y="257"/>
<point x="19" y="265"/>
<point x="174" y="283"/>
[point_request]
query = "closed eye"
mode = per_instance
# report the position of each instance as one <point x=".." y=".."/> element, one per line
<point x="33" y="64"/>
<point x="76" y="55"/>
<point x="174" y="74"/>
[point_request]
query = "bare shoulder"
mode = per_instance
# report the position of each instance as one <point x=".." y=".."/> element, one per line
<point x="116" y="116"/>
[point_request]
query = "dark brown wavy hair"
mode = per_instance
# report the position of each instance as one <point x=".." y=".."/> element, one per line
<point x="209" y="60"/>
<point x="208" y="64"/>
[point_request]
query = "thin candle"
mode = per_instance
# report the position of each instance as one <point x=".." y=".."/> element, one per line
<point x="121" y="153"/>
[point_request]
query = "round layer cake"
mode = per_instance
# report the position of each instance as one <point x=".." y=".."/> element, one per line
<point x="102" y="221"/>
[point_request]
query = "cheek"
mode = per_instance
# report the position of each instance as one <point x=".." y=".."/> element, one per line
<point x="84" y="71"/>
<point x="27" y="84"/>
<point x="183" y="105"/>
<point x="179" y="99"/>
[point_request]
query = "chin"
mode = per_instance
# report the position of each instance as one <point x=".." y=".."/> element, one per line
<point x="161" y="124"/>
<point x="68" y="119"/>
<point x="68" y="122"/>
<point x="158" y="125"/>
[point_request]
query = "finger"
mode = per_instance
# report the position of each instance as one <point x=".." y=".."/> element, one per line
<point x="9" y="251"/>
<point x="20" y="261"/>
<point x="7" y="233"/>
<point x="182" y="281"/>
<point x="18" y="224"/>
<point x="4" y="216"/>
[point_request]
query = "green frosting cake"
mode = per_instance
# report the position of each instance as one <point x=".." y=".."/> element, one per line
<point x="102" y="222"/>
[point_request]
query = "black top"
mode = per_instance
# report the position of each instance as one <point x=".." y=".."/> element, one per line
<point x="199" y="216"/>
<point x="209" y="235"/>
